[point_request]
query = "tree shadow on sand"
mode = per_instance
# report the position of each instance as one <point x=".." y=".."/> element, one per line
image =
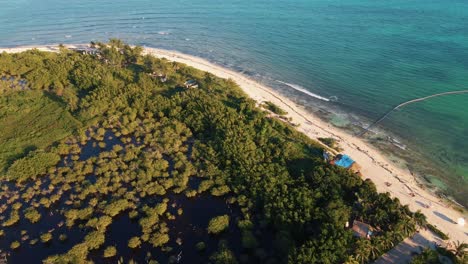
<point x="421" y="204"/>
<point x="406" y="250"/>
<point x="446" y="218"/>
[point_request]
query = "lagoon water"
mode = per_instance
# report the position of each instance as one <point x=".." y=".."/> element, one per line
<point x="357" y="57"/>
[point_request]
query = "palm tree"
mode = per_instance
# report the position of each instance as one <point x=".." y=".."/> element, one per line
<point x="374" y="250"/>
<point x="396" y="235"/>
<point x="362" y="251"/>
<point x="351" y="260"/>
<point x="406" y="227"/>
<point x="459" y="250"/>
<point x="420" y="218"/>
<point x="387" y="241"/>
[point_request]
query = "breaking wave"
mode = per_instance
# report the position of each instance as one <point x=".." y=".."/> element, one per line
<point x="303" y="90"/>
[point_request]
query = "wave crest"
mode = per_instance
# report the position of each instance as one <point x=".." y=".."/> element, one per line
<point x="303" y="90"/>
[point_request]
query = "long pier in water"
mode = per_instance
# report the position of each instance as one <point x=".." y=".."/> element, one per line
<point x="407" y="103"/>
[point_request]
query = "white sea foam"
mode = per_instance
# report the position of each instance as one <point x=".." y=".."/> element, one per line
<point x="163" y="33"/>
<point x="303" y="90"/>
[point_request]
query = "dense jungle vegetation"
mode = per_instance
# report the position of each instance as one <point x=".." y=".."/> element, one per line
<point x="107" y="157"/>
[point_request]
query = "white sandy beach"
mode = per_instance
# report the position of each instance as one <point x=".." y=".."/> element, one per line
<point x="373" y="164"/>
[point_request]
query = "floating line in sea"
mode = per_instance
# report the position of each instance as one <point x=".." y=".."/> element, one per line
<point x="303" y="90"/>
<point x="407" y="103"/>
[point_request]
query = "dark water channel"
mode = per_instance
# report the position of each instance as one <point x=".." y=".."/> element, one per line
<point x="188" y="229"/>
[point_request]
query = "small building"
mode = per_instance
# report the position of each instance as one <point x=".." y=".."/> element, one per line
<point x="361" y="229"/>
<point x="162" y="77"/>
<point x="157" y="74"/>
<point x="87" y="51"/>
<point x="346" y="162"/>
<point x="327" y="156"/>
<point x="191" y="84"/>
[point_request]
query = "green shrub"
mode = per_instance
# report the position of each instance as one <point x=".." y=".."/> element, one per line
<point x="437" y="231"/>
<point x="330" y="142"/>
<point x="15" y="245"/>
<point x="218" y="224"/>
<point x="116" y="207"/>
<point x="32" y="215"/>
<point x="36" y="163"/>
<point x="46" y="237"/>
<point x="94" y="240"/>
<point x="220" y="190"/>
<point x="110" y="251"/>
<point x="274" y="108"/>
<point x="134" y="242"/>
<point x="200" y="246"/>
<point x="133" y="214"/>
<point x="159" y="239"/>
<point x="14" y="219"/>
<point x="63" y="237"/>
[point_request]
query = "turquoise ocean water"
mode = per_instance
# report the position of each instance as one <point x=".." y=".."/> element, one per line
<point x="365" y="55"/>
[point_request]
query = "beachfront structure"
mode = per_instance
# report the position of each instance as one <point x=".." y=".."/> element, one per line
<point x="87" y="51"/>
<point x="361" y="229"/>
<point x="345" y="161"/>
<point x="191" y="84"/>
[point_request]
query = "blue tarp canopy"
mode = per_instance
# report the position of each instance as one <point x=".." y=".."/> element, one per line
<point x="344" y="161"/>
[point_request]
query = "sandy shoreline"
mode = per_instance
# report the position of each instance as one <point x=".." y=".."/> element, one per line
<point x="373" y="164"/>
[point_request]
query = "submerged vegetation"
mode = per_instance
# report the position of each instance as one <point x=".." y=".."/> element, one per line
<point x="122" y="164"/>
